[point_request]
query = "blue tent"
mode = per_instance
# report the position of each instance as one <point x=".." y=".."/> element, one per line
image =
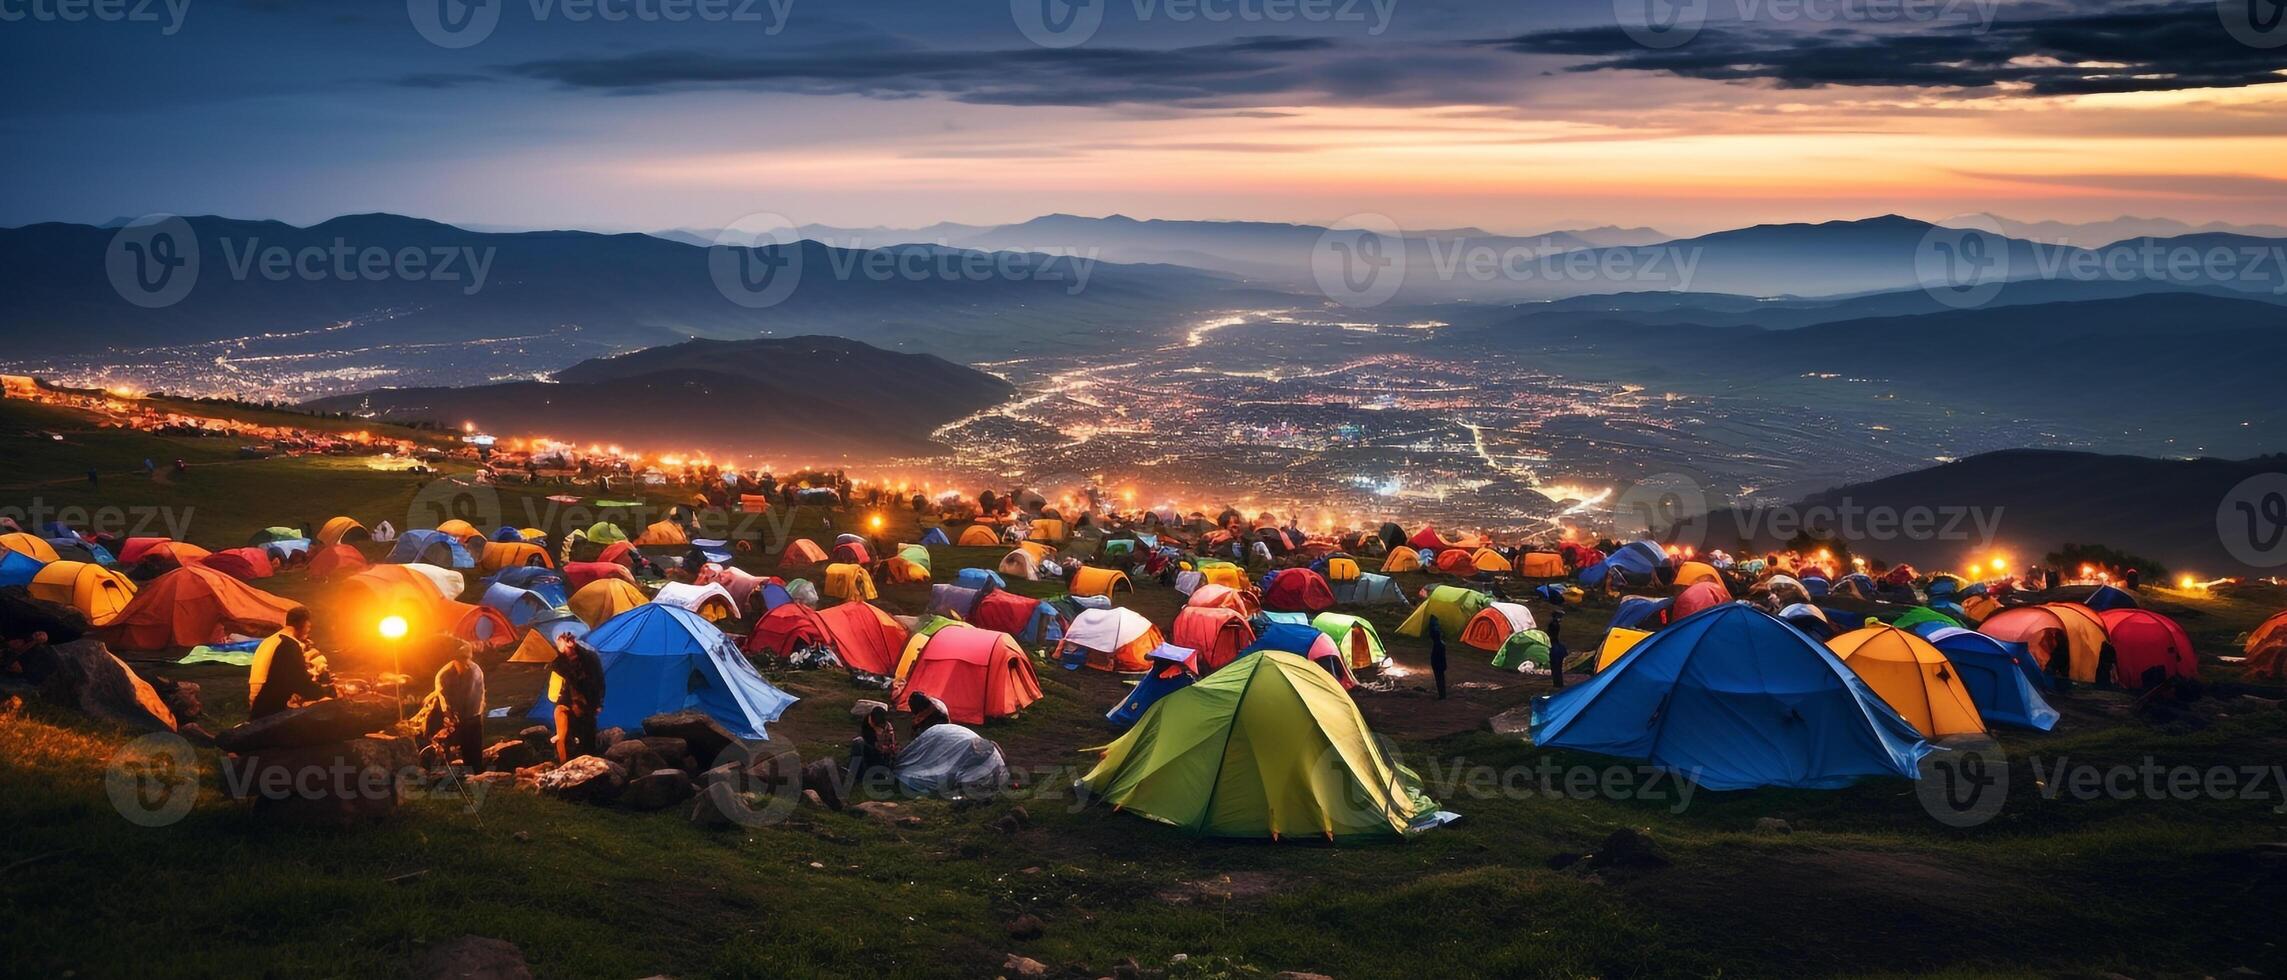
<point x="1638" y="612"/>
<point x="1816" y="623"/>
<point x="1268" y="620"/>
<point x="936" y="539"/>
<point x="954" y="600"/>
<point x="548" y="582"/>
<point x="17" y="568"/>
<point x="1297" y="639"/>
<point x="2108" y="597"/>
<point x="428" y="546"/>
<point x="1637" y="563"/>
<point x="979" y="579"/>
<point x="523" y="607"/>
<point x="660" y="658"/>
<point x="1998" y="675"/>
<point x="507" y="533"/>
<point x="287" y="549"/>
<point x="773" y="595"/>
<point x="1733" y="698"/>
<point x="1817" y="586"/>
<point x="1168" y="676"/>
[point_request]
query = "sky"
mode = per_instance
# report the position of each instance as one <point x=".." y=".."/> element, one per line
<point x="1520" y="116"/>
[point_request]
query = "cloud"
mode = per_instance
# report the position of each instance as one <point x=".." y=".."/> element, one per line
<point x="2180" y="46"/>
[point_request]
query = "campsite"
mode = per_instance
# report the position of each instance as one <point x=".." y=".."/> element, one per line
<point x="1593" y="856"/>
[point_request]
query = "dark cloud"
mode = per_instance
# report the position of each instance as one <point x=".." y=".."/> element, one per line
<point x="2181" y="46"/>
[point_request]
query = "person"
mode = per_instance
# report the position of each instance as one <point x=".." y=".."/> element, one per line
<point x="1556" y="651"/>
<point x="286" y="667"/>
<point x="579" y="697"/>
<point x="459" y="702"/>
<point x="873" y="754"/>
<point x="2133" y="578"/>
<point x="927" y="712"/>
<point x="94" y="479"/>
<point x="1437" y="655"/>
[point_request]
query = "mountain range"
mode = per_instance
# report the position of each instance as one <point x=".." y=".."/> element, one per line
<point x="798" y="397"/>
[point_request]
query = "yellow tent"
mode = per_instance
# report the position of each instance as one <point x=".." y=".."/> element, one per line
<point x="1341" y="569"/>
<point x="338" y="528"/>
<point x="1488" y="560"/>
<point x="1047" y="529"/>
<point x="1540" y="564"/>
<point x="1401" y="559"/>
<point x="97" y="592"/>
<point x="1040" y="552"/>
<point x="460" y="530"/>
<point x="1694" y="572"/>
<point x="979" y="536"/>
<point x="1616" y="642"/>
<point x="1090" y="580"/>
<point x="25" y="544"/>
<point x="662" y="533"/>
<point x="1451" y="605"/>
<point x="1913" y="677"/>
<point x="1226" y="575"/>
<point x="604" y="598"/>
<point x="846" y="581"/>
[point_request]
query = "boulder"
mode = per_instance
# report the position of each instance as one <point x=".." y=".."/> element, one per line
<point x="1515" y="721"/>
<point x="587" y="779"/>
<point x="608" y="737"/>
<point x="1026" y="926"/>
<point x="1627" y="848"/>
<point x="334" y="784"/>
<point x="22" y="615"/>
<point x="89" y="678"/>
<point x="706" y="737"/>
<point x="635" y="756"/>
<point x="471" y="958"/>
<point x="509" y="755"/>
<point x="182" y="697"/>
<point x="541" y="737"/>
<point x="657" y="790"/>
<point x="1772" y="825"/>
<point x="330" y="720"/>
<point x="1024" y="966"/>
<point x="716" y="806"/>
<point x="676" y="751"/>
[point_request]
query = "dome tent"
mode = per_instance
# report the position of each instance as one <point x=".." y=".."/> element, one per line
<point x="652" y="655"/>
<point x="1912" y="677"/>
<point x="2002" y="679"/>
<point x="979" y="674"/>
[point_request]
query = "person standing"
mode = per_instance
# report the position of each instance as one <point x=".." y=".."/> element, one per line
<point x="285" y="668"/>
<point x="1556" y="651"/>
<point x="1437" y="655"/>
<point x="579" y="697"/>
<point x="460" y="696"/>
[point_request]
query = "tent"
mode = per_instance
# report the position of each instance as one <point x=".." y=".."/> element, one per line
<point x="1306" y="642"/>
<point x="1341" y="568"/>
<point x="1355" y="636"/>
<point x="1702" y="595"/>
<point x="979" y="536"/>
<point x="1618" y="640"/>
<point x="1541" y="564"/>
<point x="1913" y="678"/>
<point x="460" y="530"/>
<point x="1240" y="601"/>
<point x="935" y="538"/>
<point x="1456" y="561"/>
<point x="522" y="606"/>
<point x="1643" y="611"/>
<point x="1915" y="618"/>
<point x="159" y="552"/>
<point x="18" y="568"/>
<point x="979" y="579"/>
<point x="918" y="555"/>
<point x="851" y="553"/>
<point x="800" y="552"/>
<point x="1047" y="530"/>
<point x="1297" y="590"/>
<point x="1269" y="747"/>
<point x="845" y="581"/>
<point x="1091" y="580"/>
<point x="1635" y="563"/>
<point x="1522" y="648"/>
<point x="659" y="659"/>
<point x="1488" y="560"/>
<point x="33" y="547"/>
<point x="979" y="674"/>
<point x="1111" y="639"/>
<point x="448" y="584"/>
<point x="548" y="582"/>
<point x="603" y="599"/>
<point x="1401" y="559"/>
<point x="1427" y="539"/>
<point x="498" y="555"/>
<point x="2050" y="631"/>
<point x="1171" y="672"/>
<point x="711" y="601"/>
<point x="2144" y="641"/>
<point x="97" y="592"/>
<point x="663" y="532"/>
<point x="2107" y="598"/>
<point x="1029" y="620"/>
<point x="193" y="605"/>
<point x="430" y="547"/>
<point x="2002" y="679"/>
<point x="899" y="571"/>
<point x="341" y="530"/>
<point x="957" y="601"/>
<point x="1733" y="699"/>
<point x="1369" y="589"/>
<point x="1694" y="572"/>
<point x="1492" y="625"/>
<point x="1022" y="564"/>
<point x="539" y="643"/>
<point x="243" y="564"/>
<point x="1811" y="620"/>
<point x="1225" y="574"/>
<point x="356" y="605"/>
<point x="1450" y="605"/>
<point x="1217" y="633"/>
<point x="861" y="635"/>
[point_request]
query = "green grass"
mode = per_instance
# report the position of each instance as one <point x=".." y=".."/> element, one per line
<point x="1866" y="884"/>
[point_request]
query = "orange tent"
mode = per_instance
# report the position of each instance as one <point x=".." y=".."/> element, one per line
<point x="356" y="605"/>
<point x="1456" y="561"/>
<point x="898" y="570"/>
<point x="1401" y="559"/>
<point x="1913" y="677"/>
<point x="1488" y="560"/>
<point x="1541" y="564"/>
<point x="801" y="551"/>
<point x="850" y="582"/>
<point x="1216" y="632"/>
<point x="1493" y="624"/>
<point x="1090" y="580"/>
<point x="192" y="605"/>
<point x="604" y="598"/>
<point x="498" y="555"/>
<point x="1240" y="601"/>
<point x="337" y="529"/>
<point x="28" y="546"/>
<point x="979" y="674"/>
<point x="460" y="530"/>
<point x="865" y="637"/>
<point x="2050" y="631"/>
<point x="94" y="590"/>
<point x="336" y="560"/>
<point x="978" y="536"/>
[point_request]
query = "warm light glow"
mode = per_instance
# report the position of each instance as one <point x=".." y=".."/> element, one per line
<point x="874" y="522"/>
<point x="392" y="627"/>
<point x="2186" y="583"/>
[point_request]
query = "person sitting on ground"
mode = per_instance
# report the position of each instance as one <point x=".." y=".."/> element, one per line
<point x="873" y="754"/>
<point x="459" y="705"/>
<point x="287" y="669"/>
<point x="579" y="697"/>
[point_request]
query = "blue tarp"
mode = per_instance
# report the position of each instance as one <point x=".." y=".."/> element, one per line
<point x="2002" y="677"/>
<point x="1733" y="698"/>
<point x="429" y="546"/>
<point x="17" y="568"/>
<point x="523" y="607"/>
<point x="659" y="658"/>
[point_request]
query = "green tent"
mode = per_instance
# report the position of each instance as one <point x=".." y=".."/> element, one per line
<point x="269" y="534"/>
<point x="1268" y="746"/>
<point x="1521" y="648"/>
<point x="604" y="532"/>
<point x="1450" y="605"/>
<point x="1913" y="617"/>
<point x="916" y="554"/>
<point x="1360" y="643"/>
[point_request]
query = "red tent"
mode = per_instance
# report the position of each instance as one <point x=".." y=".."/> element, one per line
<point x="1427" y="538"/>
<point x="801" y="551"/>
<point x="978" y="673"/>
<point x="1298" y="590"/>
<point x="865" y="637"/>
<point x="853" y="553"/>
<point x="619" y="553"/>
<point x="243" y="564"/>
<point x="1457" y="561"/>
<point x="193" y="605"/>
<point x="1005" y="611"/>
<point x="2143" y="640"/>
<point x="1697" y="596"/>
<point x="1218" y="633"/>
<point x="337" y="560"/>
<point x="787" y="627"/>
<point x="578" y="574"/>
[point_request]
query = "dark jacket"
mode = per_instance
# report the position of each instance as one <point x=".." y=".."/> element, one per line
<point x="583" y="674"/>
<point x="281" y="672"/>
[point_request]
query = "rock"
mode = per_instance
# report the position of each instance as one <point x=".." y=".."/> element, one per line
<point x="823" y="779"/>
<point x="877" y="810"/>
<point x="587" y="779"/>
<point x="728" y="772"/>
<point x="1772" y="825"/>
<point x="717" y="807"/>
<point x="472" y="958"/>
<point x="542" y="739"/>
<point x="706" y="737"/>
<point x="89" y="678"/>
<point x="1024" y="966"/>
<point x="330" y="720"/>
<point x="676" y="751"/>
<point x="1515" y="721"/>
<point x="657" y="790"/>
<point x="634" y="756"/>
<point x="22" y="615"/>
<point x="330" y="785"/>
<point x="1026" y="926"/>
<point x="522" y="836"/>
<point x="1627" y="848"/>
<point x="509" y="755"/>
<point x="811" y="797"/>
<point x="181" y="697"/>
<point x="607" y="738"/>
